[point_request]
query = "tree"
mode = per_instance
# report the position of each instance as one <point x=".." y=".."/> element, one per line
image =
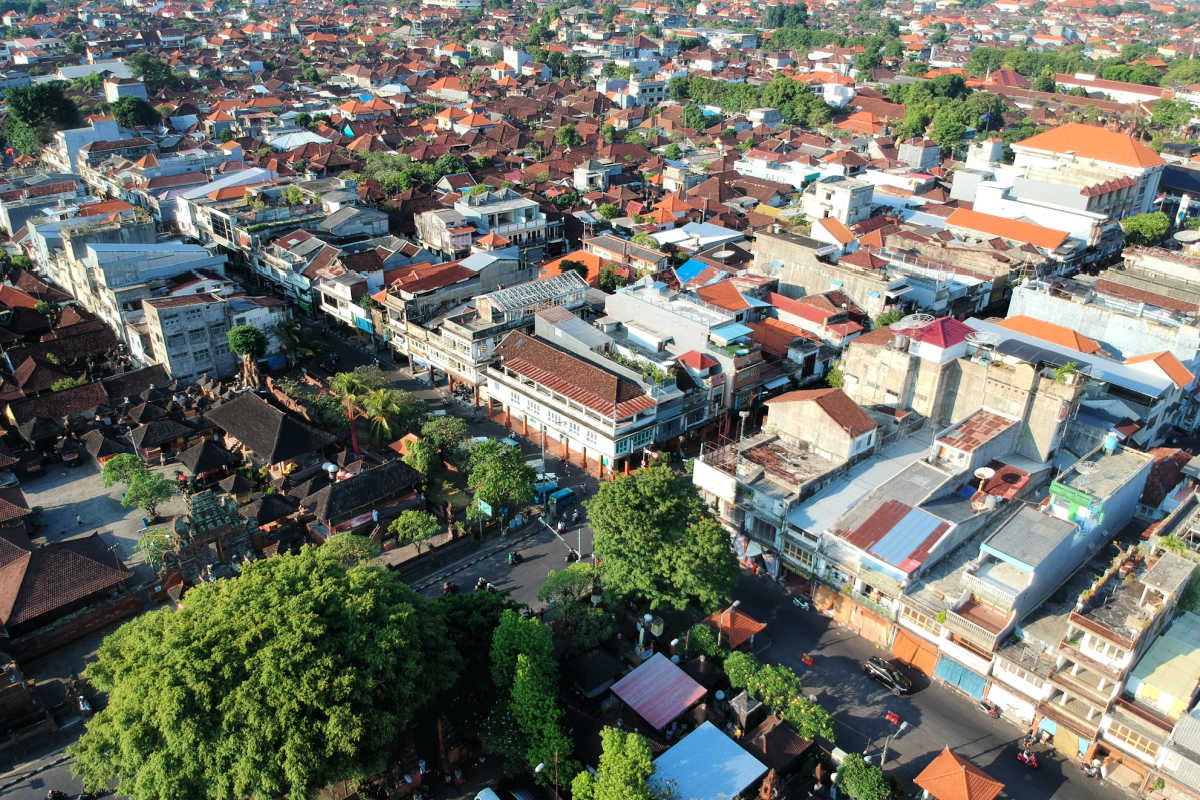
<point x="570" y="265"/>
<point x="422" y="456"/>
<point x="693" y="117"/>
<point x="644" y="240"/>
<point x="888" y="317"/>
<point x="1172" y="114"/>
<point x="657" y="542"/>
<point x="947" y="129"/>
<point x="445" y="433"/>
<point x="862" y="780"/>
<point x="449" y="164"/>
<point x="67" y="383"/>
<point x="609" y="12"/>
<point x="299" y="673"/>
<point x="134" y="112"/>
<point x="625" y="767"/>
<point x="499" y="476"/>
<point x="574" y="66"/>
<point x="42" y="103"/>
<point x="915" y="69"/>
<point x="780" y="16"/>
<point x="250" y="343"/>
<point x="350" y="550"/>
<point x="122" y="468"/>
<point x="608" y="210"/>
<point x="389" y="413"/>
<point x="146" y="491"/>
<point x="673" y="151"/>
<point x="1144" y="229"/>
<point x="43" y="308"/>
<point x="154" y="72"/>
<point x="294" y="196"/>
<point x="608" y="281"/>
<point x="154" y="544"/>
<point x="741" y="668"/>
<point x="608" y="132"/>
<point x="567" y="136"/>
<point x="834" y="377"/>
<point x="414" y="527"/>
<point x="294" y="342"/>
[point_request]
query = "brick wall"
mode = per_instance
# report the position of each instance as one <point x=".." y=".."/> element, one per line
<point x="94" y="618"/>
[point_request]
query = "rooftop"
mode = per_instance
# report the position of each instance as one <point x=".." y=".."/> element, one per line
<point x="1101" y="474"/>
<point x="1029" y="536"/>
<point x="976" y="430"/>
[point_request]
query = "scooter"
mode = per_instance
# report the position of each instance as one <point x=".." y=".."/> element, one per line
<point x="801" y="603"/>
<point x="448" y="588"/>
<point x="991" y="709"/>
<point x="1089" y="769"/>
<point x="1027" y="758"/>
<point x="514" y="557"/>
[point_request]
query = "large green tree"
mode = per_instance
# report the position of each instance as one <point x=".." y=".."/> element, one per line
<point x="1144" y="229"/>
<point x="862" y="780"/>
<point x="134" y="112"/>
<point x="299" y="673"/>
<point x="146" y="491"/>
<point x="626" y="764"/>
<point x="657" y="543"/>
<point x="445" y="433"/>
<point x="499" y="476"/>
<point x="250" y="343"/>
<point x="153" y="71"/>
<point x="121" y="468"/>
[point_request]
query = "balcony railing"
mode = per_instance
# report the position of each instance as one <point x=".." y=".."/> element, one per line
<point x="990" y="590"/>
<point x="978" y="635"/>
<point x="878" y="608"/>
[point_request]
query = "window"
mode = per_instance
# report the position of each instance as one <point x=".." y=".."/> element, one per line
<point x="922" y="621"/>
<point x="1133" y="739"/>
<point x="1017" y="672"/>
<point x="590" y="437"/>
<point x="201" y="355"/>
<point x="555" y="418"/>
<point x="797" y="554"/>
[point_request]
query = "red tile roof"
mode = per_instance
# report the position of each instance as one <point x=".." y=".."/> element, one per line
<point x="723" y="294"/>
<point x="1005" y="228"/>
<point x="836" y="405"/>
<point x="949" y="777"/>
<point x="694" y="359"/>
<point x="54" y="576"/>
<point x="1168" y="364"/>
<point x="944" y="332"/>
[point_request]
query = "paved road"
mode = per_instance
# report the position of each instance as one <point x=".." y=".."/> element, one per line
<point x="937" y="716"/>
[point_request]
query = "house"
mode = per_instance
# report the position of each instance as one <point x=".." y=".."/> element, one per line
<point x="267" y="435"/>
<point x="359" y="503"/>
<point x="188" y="335"/>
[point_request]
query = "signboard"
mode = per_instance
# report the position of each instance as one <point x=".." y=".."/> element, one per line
<point x="485" y="508"/>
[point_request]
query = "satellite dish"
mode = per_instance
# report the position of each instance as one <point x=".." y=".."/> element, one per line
<point x="985" y="473"/>
<point x="912" y="322"/>
<point x="1187" y="237"/>
<point x="983" y="339"/>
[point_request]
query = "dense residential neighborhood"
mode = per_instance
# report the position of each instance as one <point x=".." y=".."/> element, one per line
<point x="672" y="400"/>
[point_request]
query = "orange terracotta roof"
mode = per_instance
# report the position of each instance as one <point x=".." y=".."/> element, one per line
<point x="723" y="294"/>
<point x="1005" y="228"/>
<point x="736" y="625"/>
<point x="949" y="777"/>
<point x="1049" y="332"/>
<point x="836" y="229"/>
<point x="1093" y="141"/>
<point x="1169" y="364"/>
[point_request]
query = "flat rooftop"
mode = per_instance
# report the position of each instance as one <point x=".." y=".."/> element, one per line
<point x="1107" y="472"/>
<point x="791" y="463"/>
<point x="1029" y="536"/>
<point x="975" y="431"/>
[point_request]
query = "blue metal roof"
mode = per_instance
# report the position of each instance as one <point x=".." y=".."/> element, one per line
<point x="731" y="331"/>
<point x="689" y="269"/>
<point x="906" y="536"/>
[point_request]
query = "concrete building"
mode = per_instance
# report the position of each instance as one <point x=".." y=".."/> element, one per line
<point x="188" y="335"/>
<point x="518" y="220"/>
<point x="116" y="88"/>
<point x="63" y="151"/>
<point x="847" y="200"/>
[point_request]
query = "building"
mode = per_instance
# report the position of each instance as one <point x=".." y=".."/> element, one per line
<point x="518" y="220"/>
<point x="116" y="88"/>
<point x="847" y="200"/>
<point x="580" y="411"/>
<point x="1083" y="156"/>
<point x="62" y="153"/>
<point x="188" y="335"/>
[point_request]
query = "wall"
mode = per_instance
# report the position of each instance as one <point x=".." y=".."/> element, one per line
<point x="100" y="615"/>
<point x="805" y="421"/>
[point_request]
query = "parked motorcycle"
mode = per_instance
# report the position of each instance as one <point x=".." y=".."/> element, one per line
<point x="514" y="557"/>
<point x="801" y="603"/>
<point x="991" y="709"/>
<point x="1090" y="769"/>
<point x="1027" y="758"/>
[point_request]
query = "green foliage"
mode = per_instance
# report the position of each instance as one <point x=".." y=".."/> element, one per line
<point x="673" y="151"/>
<point x="293" y="196"/>
<point x="154" y="72"/>
<point x="608" y="210"/>
<point x="657" y="542"/>
<point x="888" y="317"/>
<point x="862" y="780"/>
<point x="778" y="687"/>
<point x="154" y="544"/>
<point x="350" y="550"/>
<point x="693" y="117"/>
<point x="701" y="640"/>
<point x="43" y="308"/>
<point x="915" y="69"/>
<point x="299" y="673"/>
<point x="608" y="281"/>
<point x="1145" y="229"/>
<point x="574" y="65"/>
<point x="423" y="457"/>
<point x="247" y="341"/>
<point x="570" y="265"/>
<point x="34" y="112"/>
<point x="741" y="668"/>
<point x="644" y="240"/>
<point x="499" y="476"/>
<point x="67" y="383"/>
<point x="567" y="136"/>
<point x="626" y="764"/>
<point x="294" y="342"/>
<point x="1132" y="73"/>
<point x="834" y="377"/>
<point x="122" y="468"/>
<point x="146" y="490"/>
<point x="134" y="112"/>
<point x="1172" y="114"/>
<point x="783" y="16"/>
<point x="414" y="527"/>
<point x="390" y="413"/>
<point x="445" y="433"/>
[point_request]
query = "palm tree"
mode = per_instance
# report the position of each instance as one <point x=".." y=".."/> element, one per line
<point x="293" y="341"/>
<point x="382" y="412"/>
<point x="348" y="386"/>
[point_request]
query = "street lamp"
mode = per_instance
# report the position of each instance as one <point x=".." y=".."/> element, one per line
<point x="541" y="766"/>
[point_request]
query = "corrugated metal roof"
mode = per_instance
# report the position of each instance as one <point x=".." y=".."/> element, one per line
<point x="658" y="691"/>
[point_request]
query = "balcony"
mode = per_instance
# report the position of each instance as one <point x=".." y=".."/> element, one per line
<point x="973" y="632"/>
<point x="990" y="590"/>
<point x="1089" y="685"/>
<point x="1074" y="714"/>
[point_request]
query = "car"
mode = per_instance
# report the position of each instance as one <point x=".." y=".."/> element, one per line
<point x="887" y="674"/>
<point x="511" y="794"/>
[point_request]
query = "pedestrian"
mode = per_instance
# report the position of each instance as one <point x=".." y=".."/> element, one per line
<point x="78" y="519"/>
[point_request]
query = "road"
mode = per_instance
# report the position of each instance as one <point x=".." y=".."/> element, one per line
<point x="936" y="715"/>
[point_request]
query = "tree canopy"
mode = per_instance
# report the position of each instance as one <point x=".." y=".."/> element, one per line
<point x="299" y="673"/>
<point x="626" y="764"/>
<point x="862" y="780"/>
<point x="134" y="112"/>
<point x="1144" y="229"/>
<point x="657" y="543"/>
<point x="499" y="476"/>
<point x="153" y="71"/>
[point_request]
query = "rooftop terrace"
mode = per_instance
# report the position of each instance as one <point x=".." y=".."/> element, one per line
<point x="1108" y="473"/>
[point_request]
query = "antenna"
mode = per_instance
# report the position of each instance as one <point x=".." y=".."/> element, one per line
<point x="984" y="474"/>
<point x="1085" y="468"/>
<point x="913" y="322"/>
